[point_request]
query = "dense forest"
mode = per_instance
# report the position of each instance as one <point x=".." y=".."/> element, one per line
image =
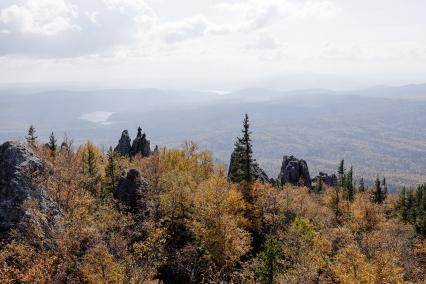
<point x="176" y="216"/>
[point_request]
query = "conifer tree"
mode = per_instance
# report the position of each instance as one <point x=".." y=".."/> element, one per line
<point x="378" y="193"/>
<point x="341" y="173"/>
<point x="241" y="168"/>
<point x="401" y="206"/>
<point x="384" y="185"/>
<point x="31" y="137"/>
<point x="349" y="190"/>
<point x="111" y="171"/>
<point x="53" y="147"/>
<point x="319" y="186"/>
<point x="361" y="187"/>
<point x="269" y="261"/>
<point x="90" y="168"/>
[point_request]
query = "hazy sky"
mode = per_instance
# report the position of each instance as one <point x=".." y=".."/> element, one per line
<point x="208" y="43"/>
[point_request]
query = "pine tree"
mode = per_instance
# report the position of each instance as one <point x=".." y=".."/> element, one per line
<point x="349" y="189"/>
<point x="31" y="137"/>
<point x="341" y="173"/>
<point x="269" y="260"/>
<point x="378" y="194"/>
<point x="53" y="147"/>
<point x="361" y="187"/>
<point x="242" y="162"/>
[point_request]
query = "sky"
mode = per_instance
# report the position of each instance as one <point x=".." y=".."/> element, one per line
<point x="213" y="43"/>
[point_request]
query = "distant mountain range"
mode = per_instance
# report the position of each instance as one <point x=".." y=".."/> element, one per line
<point x="378" y="130"/>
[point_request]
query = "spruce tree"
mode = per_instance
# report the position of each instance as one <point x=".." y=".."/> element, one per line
<point x="31" y="137"/>
<point x="269" y="260"/>
<point x="401" y="206"/>
<point x="319" y="186"/>
<point x="242" y="162"/>
<point x="341" y="173"/>
<point x="349" y="188"/>
<point x="384" y="185"/>
<point x="378" y="193"/>
<point x="53" y="147"/>
<point x="361" y="187"/>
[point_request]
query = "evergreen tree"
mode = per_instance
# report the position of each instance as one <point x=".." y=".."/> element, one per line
<point x="402" y="208"/>
<point x="53" y="147"/>
<point x="242" y="162"/>
<point x="384" y="185"/>
<point x="269" y="260"/>
<point x="349" y="189"/>
<point x="341" y="173"/>
<point x="319" y="185"/>
<point x="31" y="137"/>
<point x="378" y="194"/>
<point x="111" y="171"/>
<point x="361" y="187"/>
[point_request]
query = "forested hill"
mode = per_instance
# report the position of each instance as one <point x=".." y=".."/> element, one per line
<point x="133" y="214"/>
<point x="377" y="130"/>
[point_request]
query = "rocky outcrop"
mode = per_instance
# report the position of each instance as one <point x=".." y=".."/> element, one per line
<point x="131" y="189"/>
<point x="140" y="146"/>
<point x="330" y="180"/>
<point x="258" y="173"/>
<point x="294" y="171"/>
<point x="124" y="147"/>
<point x="18" y="167"/>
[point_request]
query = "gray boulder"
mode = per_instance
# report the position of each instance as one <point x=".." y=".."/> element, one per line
<point x="124" y="147"/>
<point x="140" y="146"/>
<point x="294" y="171"/>
<point x="330" y="180"/>
<point x="131" y="189"/>
<point x="18" y="166"/>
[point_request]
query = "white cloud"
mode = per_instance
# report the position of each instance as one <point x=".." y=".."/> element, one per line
<point x="45" y="17"/>
<point x="67" y="28"/>
<point x="263" y="42"/>
<point x="189" y="28"/>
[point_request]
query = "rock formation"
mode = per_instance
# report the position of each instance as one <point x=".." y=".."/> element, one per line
<point x="330" y="180"/>
<point x="258" y="173"/>
<point x="130" y="189"/>
<point x="18" y="165"/>
<point x="123" y="147"/>
<point x="140" y="146"/>
<point x="294" y="171"/>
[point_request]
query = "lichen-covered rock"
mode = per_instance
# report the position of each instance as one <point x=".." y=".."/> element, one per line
<point x="18" y="166"/>
<point x="140" y="146"/>
<point x="294" y="171"/>
<point x="124" y="147"/>
<point x="131" y="189"/>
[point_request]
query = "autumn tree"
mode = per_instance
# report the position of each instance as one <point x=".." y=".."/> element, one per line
<point x="91" y="159"/>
